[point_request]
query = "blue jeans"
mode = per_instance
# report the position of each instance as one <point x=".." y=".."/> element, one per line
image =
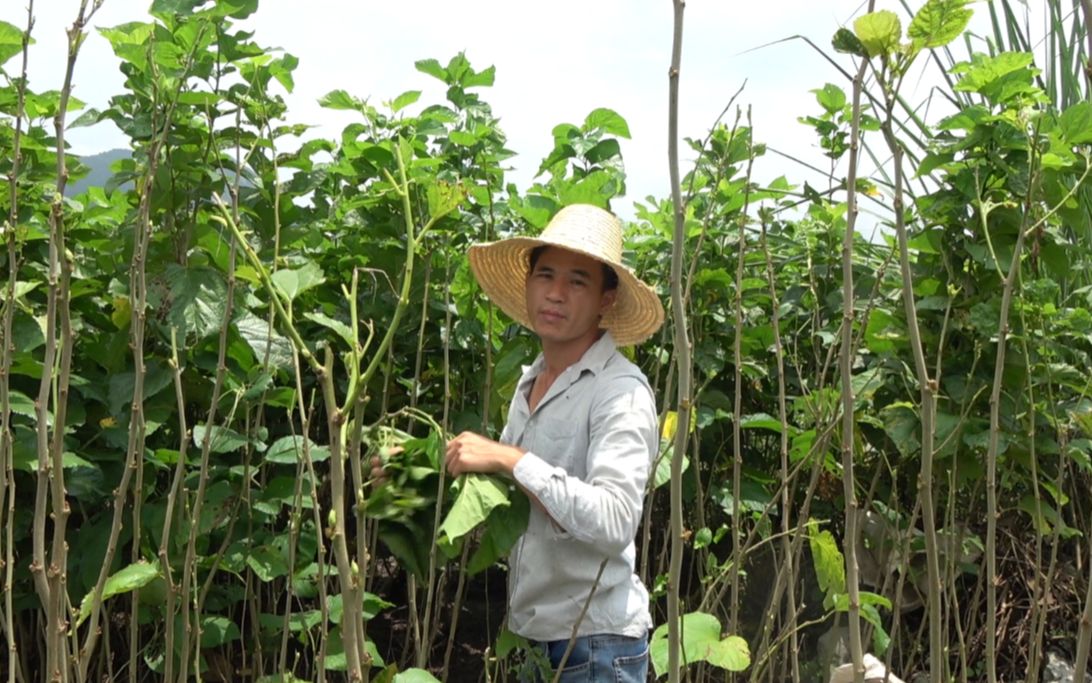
<point x="605" y="658"/>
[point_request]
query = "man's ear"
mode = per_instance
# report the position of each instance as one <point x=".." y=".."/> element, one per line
<point x="607" y="300"/>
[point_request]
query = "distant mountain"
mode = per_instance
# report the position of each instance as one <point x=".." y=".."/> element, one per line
<point x="100" y="170"/>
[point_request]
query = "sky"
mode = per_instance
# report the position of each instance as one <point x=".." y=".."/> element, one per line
<point x="555" y="62"/>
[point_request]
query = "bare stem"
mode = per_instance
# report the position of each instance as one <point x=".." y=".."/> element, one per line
<point x="682" y="350"/>
<point x="846" y="365"/>
<point x="7" y="473"/>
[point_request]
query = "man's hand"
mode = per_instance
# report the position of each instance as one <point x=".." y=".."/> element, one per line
<point x="379" y="464"/>
<point x="470" y="452"/>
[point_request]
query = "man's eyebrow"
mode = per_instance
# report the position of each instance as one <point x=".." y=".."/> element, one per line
<point x="581" y="272"/>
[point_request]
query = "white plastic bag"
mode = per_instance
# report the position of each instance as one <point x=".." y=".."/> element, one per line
<point x="875" y="670"/>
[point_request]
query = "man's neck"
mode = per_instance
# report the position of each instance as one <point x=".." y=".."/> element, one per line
<point x="558" y="357"/>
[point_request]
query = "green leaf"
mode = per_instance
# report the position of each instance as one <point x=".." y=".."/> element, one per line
<point x="21" y="404"/>
<point x="432" y="68"/>
<point x="476" y="79"/>
<point x="608" y="121"/>
<point x="879" y="32"/>
<point x="506" y="523"/>
<point x="294" y="281"/>
<point x="267" y="563"/>
<point x="415" y="676"/>
<point x="168" y="8"/>
<point x="831" y="98"/>
<point x="217" y="630"/>
<point x="847" y="42"/>
<point x="341" y="329"/>
<point x="730" y="654"/>
<point x="11" y="41"/>
<point x="342" y="100"/>
<point x="121" y="386"/>
<point x="478" y="496"/>
<point x="997" y="77"/>
<point x="288" y="450"/>
<point x="508" y="642"/>
<point x="869" y="602"/>
<point x="125" y="580"/>
<point x="335" y="653"/>
<point x="701" y="642"/>
<point x="405" y="99"/>
<point x="1076" y="123"/>
<point x="938" y="23"/>
<point x="282" y="69"/>
<point x="443" y="198"/>
<point x="703" y="538"/>
<point x="256" y="333"/>
<point x="902" y="427"/>
<point x="373" y="605"/>
<point x="223" y="439"/>
<point x="760" y="421"/>
<point x="236" y="9"/>
<point x="830" y="568"/>
<point x="198" y="300"/>
<point x="603" y="151"/>
<point x="662" y="475"/>
<point x="461" y="137"/>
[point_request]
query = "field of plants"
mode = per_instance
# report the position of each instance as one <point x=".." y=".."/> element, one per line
<point x="875" y="446"/>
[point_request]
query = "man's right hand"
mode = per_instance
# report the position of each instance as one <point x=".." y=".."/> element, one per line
<point x="379" y="464"/>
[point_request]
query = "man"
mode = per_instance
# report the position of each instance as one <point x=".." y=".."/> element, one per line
<point x="580" y="439"/>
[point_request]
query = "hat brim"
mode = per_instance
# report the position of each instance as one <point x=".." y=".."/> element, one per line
<point x="501" y="270"/>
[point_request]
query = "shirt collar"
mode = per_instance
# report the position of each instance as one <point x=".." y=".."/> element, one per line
<point x="593" y="359"/>
<point x="597" y="354"/>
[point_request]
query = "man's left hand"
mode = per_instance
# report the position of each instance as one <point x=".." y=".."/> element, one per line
<point x="470" y="452"/>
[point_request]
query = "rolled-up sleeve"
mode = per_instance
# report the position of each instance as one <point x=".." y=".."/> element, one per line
<point x="603" y="508"/>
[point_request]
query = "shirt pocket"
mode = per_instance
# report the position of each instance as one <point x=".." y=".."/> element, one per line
<point x="557" y="442"/>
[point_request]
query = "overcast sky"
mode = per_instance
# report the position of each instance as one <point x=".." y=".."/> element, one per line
<point x="555" y="62"/>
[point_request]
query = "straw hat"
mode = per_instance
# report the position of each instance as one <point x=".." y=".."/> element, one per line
<point x="501" y="270"/>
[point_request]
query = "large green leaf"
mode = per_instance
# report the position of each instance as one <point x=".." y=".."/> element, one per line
<point x="902" y="426"/>
<point x="335" y="652"/>
<point x="477" y="498"/>
<point x="701" y="642"/>
<point x="938" y="23"/>
<point x="831" y="98"/>
<point x="125" y="580"/>
<point x="1076" y="124"/>
<point x="21" y="404"/>
<point x="415" y="676"/>
<point x="222" y="439"/>
<point x="292" y="282"/>
<point x="662" y="475"/>
<point x="341" y="329"/>
<point x="261" y="340"/>
<point x="267" y="562"/>
<point x="1000" y="78"/>
<point x="830" y="567"/>
<point x="731" y="654"/>
<point x="870" y="604"/>
<point x="198" y="300"/>
<point x="879" y="32"/>
<point x="11" y="41"/>
<point x="431" y="67"/>
<point x="217" y="630"/>
<point x="157" y="377"/>
<point x="608" y="121"/>
<point x="166" y="8"/>
<point x="506" y="523"/>
<point x="288" y="450"/>
<point x="847" y="42"/>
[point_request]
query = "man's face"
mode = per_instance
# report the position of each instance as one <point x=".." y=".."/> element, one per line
<point x="565" y="296"/>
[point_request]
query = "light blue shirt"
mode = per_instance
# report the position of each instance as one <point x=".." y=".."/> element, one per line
<point x="590" y="444"/>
